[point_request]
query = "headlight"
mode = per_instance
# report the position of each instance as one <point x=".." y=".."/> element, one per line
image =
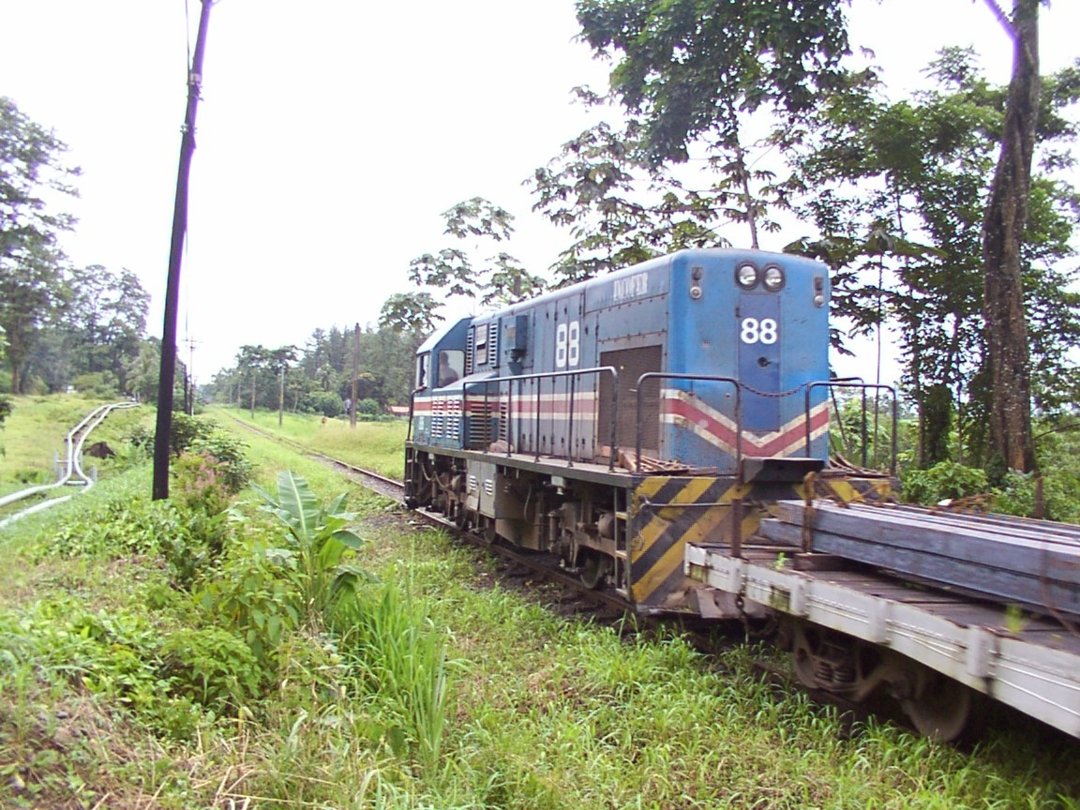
<point x="746" y="275"/>
<point x="774" y="278"/>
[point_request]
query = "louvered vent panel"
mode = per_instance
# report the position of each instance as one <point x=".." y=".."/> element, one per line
<point x="469" y="353"/>
<point x="493" y="343"/>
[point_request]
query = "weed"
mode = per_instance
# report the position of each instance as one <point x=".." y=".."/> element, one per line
<point x="401" y="659"/>
<point x="316" y="540"/>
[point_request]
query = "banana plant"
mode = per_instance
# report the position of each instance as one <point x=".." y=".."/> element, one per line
<point x="316" y="541"/>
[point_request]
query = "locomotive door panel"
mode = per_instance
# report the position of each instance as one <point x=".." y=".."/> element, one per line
<point x="759" y="341"/>
<point x="632" y="363"/>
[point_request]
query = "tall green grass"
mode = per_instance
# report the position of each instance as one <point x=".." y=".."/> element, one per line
<point x="400" y="656"/>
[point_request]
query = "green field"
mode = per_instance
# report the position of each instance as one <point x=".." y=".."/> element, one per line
<point x="377" y="446"/>
<point x="159" y="655"/>
<point x="32" y="437"/>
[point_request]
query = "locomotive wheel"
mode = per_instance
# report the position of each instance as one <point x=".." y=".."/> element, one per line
<point x="594" y="570"/>
<point x="942" y="709"/>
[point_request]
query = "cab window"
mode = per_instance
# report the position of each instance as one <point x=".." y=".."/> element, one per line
<point x="451" y="366"/>
<point x="422" y="370"/>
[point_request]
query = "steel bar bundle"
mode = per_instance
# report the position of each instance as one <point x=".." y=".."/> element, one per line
<point x="1032" y="564"/>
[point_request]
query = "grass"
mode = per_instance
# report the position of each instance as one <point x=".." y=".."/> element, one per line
<point x="33" y="435"/>
<point x="374" y="445"/>
<point x="437" y="687"/>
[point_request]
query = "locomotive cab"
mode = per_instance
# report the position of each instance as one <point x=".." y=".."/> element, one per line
<point x="440" y="366"/>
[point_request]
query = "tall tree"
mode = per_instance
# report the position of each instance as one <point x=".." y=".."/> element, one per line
<point x="1002" y="241"/>
<point x="690" y="69"/>
<point x="31" y="289"/>
<point x="278" y="361"/>
<point x="410" y="312"/>
<point x="885" y="174"/>
<point x="31" y="169"/>
<point x="251" y="360"/>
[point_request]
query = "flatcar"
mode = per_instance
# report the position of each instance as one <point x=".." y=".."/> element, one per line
<point x="568" y="423"/>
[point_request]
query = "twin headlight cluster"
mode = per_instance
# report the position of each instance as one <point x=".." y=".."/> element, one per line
<point x="749" y="276"/>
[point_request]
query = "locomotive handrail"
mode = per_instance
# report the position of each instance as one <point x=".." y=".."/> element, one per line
<point x="855" y="382"/>
<point x="572" y="375"/>
<point x="697" y="377"/>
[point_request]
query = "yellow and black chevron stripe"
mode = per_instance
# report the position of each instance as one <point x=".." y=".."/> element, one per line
<point x="667" y="512"/>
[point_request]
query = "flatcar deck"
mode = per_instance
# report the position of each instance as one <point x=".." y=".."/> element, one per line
<point x="1031" y="664"/>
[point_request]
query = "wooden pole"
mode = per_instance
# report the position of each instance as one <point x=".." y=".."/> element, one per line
<point x="355" y="373"/>
<point x="167" y="375"/>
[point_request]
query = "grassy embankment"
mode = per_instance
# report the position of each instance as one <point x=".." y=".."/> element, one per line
<point x="33" y="436"/>
<point x="140" y="668"/>
<point x="373" y="445"/>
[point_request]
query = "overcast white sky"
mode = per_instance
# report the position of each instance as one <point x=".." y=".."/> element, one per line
<point x="332" y="134"/>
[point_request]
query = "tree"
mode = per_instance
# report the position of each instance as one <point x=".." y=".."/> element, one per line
<point x="30" y="265"/>
<point x="250" y="361"/>
<point x="690" y="69"/>
<point x="620" y="210"/>
<point x="1002" y="243"/>
<point x="30" y="168"/>
<point x="278" y="360"/>
<point x="106" y="320"/>
<point x="499" y="279"/>
<point x="888" y="175"/>
<point x="410" y="312"/>
<point x="30" y="291"/>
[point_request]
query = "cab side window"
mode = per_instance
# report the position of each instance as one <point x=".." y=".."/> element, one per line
<point x="451" y="366"/>
<point x="422" y="370"/>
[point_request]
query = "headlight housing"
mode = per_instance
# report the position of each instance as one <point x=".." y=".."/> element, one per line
<point x="746" y="276"/>
<point x="773" y="278"/>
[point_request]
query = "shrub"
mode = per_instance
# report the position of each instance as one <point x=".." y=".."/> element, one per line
<point x="118" y="527"/>
<point x="368" y="407"/>
<point x="185" y="430"/>
<point x="326" y="402"/>
<point x="945" y="480"/>
<point x="255" y="594"/>
<point x="233" y="470"/>
<point x="211" y="667"/>
<point x="99" y="384"/>
<point x="1017" y="496"/>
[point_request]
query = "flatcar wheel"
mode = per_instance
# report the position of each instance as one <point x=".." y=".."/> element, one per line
<point x="594" y="570"/>
<point x="942" y="710"/>
<point x="803" y="656"/>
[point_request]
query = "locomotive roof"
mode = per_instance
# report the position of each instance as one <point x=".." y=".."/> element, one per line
<point x="659" y="261"/>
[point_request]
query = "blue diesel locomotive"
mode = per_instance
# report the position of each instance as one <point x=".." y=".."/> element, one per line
<point x="616" y="420"/>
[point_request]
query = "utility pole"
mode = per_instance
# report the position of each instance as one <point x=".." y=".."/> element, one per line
<point x="190" y="341"/>
<point x="355" y="373"/>
<point x="281" y="393"/>
<point x="167" y="375"/>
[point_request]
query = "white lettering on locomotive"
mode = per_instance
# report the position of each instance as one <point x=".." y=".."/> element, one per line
<point x="635" y="286"/>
